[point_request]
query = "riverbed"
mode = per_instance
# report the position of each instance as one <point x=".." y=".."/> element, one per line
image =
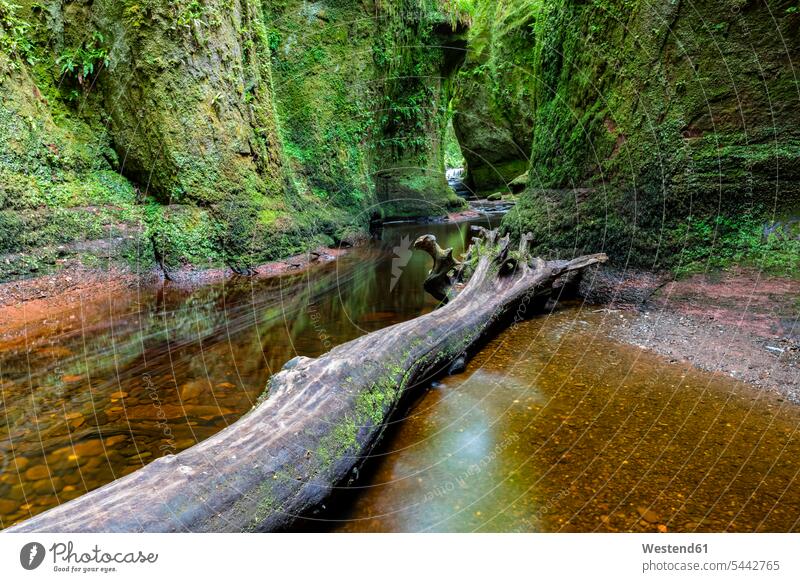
<point x="554" y="426"/>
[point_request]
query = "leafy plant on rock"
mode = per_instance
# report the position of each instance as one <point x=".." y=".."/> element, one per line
<point x="81" y="62"/>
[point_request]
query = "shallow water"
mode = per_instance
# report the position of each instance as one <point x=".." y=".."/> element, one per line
<point x="102" y="390"/>
<point x="553" y="426"/>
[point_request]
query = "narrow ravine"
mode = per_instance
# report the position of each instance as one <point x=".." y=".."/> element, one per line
<point x="193" y="193"/>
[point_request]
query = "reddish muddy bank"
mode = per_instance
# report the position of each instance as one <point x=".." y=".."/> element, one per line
<point x="741" y="323"/>
<point x="29" y="300"/>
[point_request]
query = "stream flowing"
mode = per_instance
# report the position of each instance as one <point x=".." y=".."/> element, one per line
<point x="554" y="426"/>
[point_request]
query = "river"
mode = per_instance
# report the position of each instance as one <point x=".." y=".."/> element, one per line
<point x="553" y="426"/>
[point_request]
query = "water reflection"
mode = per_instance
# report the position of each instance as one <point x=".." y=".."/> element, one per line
<point x="100" y="391"/>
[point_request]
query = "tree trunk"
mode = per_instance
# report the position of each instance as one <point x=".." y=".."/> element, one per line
<point x="319" y="417"/>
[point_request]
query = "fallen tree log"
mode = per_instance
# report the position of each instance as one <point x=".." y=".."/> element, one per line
<point x="320" y="417"/>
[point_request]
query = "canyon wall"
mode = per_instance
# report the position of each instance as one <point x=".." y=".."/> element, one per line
<point x="493" y="94"/>
<point x="362" y="92"/>
<point x="645" y="123"/>
<point x="230" y="132"/>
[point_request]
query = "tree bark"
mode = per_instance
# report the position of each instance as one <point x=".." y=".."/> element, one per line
<point x="320" y="417"/>
<point x="444" y="271"/>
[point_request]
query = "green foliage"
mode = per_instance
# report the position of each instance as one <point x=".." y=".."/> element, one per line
<point x="80" y="62"/>
<point x="453" y="158"/>
<point x="135" y="14"/>
<point x="180" y="14"/>
<point x="14" y="33"/>
<point x="180" y="235"/>
<point x="191" y="12"/>
<point x="722" y="242"/>
<point x="459" y="11"/>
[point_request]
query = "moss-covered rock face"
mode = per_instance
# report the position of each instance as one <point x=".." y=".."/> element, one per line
<point x="321" y="64"/>
<point x="225" y="131"/>
<point x="362" y="91"/>
<point x="418" y="49"/>
<point x="493" y="118"/>
<point x="210" y="132"/>
<point x="186" y="93"/>
<point x="59" y="194"/>
<point x="643" y="114"/>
